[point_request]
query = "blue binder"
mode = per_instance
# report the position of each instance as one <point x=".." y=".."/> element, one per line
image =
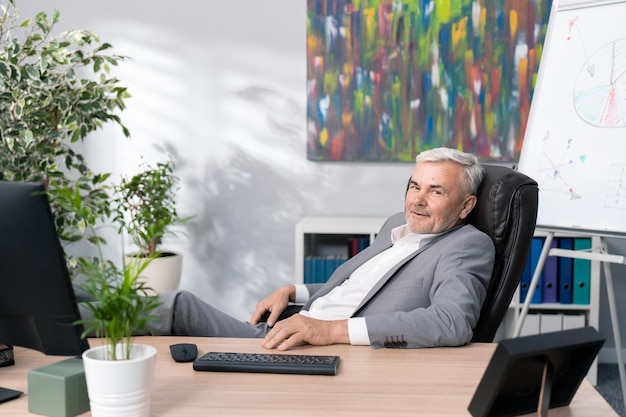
<point x="582" y="273"/>
<point x="565" y="271"/>
<point x="535" y="254"/>
<point x="550" y="287"/>
<point x="529" y="271"/>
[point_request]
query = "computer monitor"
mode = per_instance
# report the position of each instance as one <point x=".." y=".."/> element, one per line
<point x="38" y="308"/>
<point x="534" y="373"/>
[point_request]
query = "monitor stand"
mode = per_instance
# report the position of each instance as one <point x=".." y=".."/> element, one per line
<point x="546" y="390"/>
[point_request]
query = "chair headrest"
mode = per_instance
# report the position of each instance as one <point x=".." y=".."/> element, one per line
<point x="497" y="201"/>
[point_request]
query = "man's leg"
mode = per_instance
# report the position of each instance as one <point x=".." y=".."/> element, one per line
<point x="184" y="314"/>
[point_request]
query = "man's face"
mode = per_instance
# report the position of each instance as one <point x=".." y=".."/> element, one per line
<point x="437" y="200"/>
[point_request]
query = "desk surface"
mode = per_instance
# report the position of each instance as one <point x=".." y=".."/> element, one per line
<point x="370" y="382"/>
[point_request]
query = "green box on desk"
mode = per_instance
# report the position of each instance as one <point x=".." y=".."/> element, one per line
<point x="58" y="390"/>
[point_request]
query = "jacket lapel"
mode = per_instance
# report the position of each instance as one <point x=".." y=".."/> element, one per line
<point x="381" y="283"/>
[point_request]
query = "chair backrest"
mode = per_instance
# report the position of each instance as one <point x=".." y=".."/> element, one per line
<point x="507" y="211"/>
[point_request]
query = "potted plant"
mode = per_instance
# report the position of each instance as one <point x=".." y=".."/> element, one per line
<point x="54" y="91"/>
<point x="145" y="208"/>
<point x="121" y="304"/>
<point x="118" y="372"/>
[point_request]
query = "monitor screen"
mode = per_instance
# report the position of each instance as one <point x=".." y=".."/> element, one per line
<point x="512" y="382"/>
<point x="37" y="303"/>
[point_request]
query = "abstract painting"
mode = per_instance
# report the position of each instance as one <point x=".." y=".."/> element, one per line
<point x="388" y="79"/>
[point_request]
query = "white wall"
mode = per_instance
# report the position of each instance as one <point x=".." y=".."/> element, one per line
<point x="220" y="85"/>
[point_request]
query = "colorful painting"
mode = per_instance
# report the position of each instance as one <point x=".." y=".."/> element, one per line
<point x="388" y="79"/>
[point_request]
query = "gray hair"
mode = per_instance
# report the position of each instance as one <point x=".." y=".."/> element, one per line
<point x="474" y="171"/>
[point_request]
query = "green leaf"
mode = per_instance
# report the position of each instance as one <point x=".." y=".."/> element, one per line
<point x="15" y="72"/>
<point x="63" y="105"/>
<point x="43" y="25"/>
<point x="32" y="72"/>
<point x="28" y="137"/>
<point x="75" y="136"/>
<point x="45" y="62"/>
<point x="5" y="70"/>
<point x="19" y="109"/>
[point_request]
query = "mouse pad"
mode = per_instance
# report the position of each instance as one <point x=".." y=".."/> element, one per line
<point x="8" y="394"/>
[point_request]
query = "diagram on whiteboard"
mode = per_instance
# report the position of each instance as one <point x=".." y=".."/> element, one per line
<point x="600" y="91"/>
<point x="555" y="169"/>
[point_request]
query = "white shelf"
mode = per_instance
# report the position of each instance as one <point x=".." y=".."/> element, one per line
<point x="555" y="306"/>
<point x="340" y="225"/>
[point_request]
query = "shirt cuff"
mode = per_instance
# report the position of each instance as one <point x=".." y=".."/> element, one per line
<point x="357" y="331"/>
<point x="302" y="294"/>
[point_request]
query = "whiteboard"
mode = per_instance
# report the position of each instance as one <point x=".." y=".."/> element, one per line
<point x="575" y="140"/>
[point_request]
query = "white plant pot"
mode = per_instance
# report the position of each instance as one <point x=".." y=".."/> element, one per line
<point x="122" y="387"/>
<point x="163" y="273"/>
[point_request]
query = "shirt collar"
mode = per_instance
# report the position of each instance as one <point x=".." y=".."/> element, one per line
<point x="402" y="234"/>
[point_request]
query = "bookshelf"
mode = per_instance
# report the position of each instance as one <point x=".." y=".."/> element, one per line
<point x="328" y="236"/>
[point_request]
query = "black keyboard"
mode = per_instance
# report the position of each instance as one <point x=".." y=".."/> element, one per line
<point x="275" y="363"/>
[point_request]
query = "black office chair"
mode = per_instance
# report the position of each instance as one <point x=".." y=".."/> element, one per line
<point x="506" y="211"/>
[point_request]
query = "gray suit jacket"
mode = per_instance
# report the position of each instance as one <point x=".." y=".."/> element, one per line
<point x="432" y="298"/>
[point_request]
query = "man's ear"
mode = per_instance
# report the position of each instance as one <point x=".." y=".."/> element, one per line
<point x="468" y="204"/>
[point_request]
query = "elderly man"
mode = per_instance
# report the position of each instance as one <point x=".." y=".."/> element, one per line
<point x="420" y="284"/>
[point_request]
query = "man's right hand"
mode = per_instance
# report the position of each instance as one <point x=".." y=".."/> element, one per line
<point x="274" y="304"/>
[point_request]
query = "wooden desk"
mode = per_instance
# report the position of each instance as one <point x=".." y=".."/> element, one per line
<point x="370" y="382"/>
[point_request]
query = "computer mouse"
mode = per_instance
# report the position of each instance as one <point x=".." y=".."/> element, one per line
<point x="184" y="352"/>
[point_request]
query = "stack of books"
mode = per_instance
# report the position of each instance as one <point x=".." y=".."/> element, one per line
<point x="318" y="268"/>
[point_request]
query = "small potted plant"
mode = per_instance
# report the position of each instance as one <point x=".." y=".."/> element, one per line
<point x="145" y="208"/>
<point x="121" y="304"/>
<point x="118" y="372"/>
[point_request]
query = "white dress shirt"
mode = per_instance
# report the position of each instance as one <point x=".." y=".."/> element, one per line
<point x="341" y="302"/>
